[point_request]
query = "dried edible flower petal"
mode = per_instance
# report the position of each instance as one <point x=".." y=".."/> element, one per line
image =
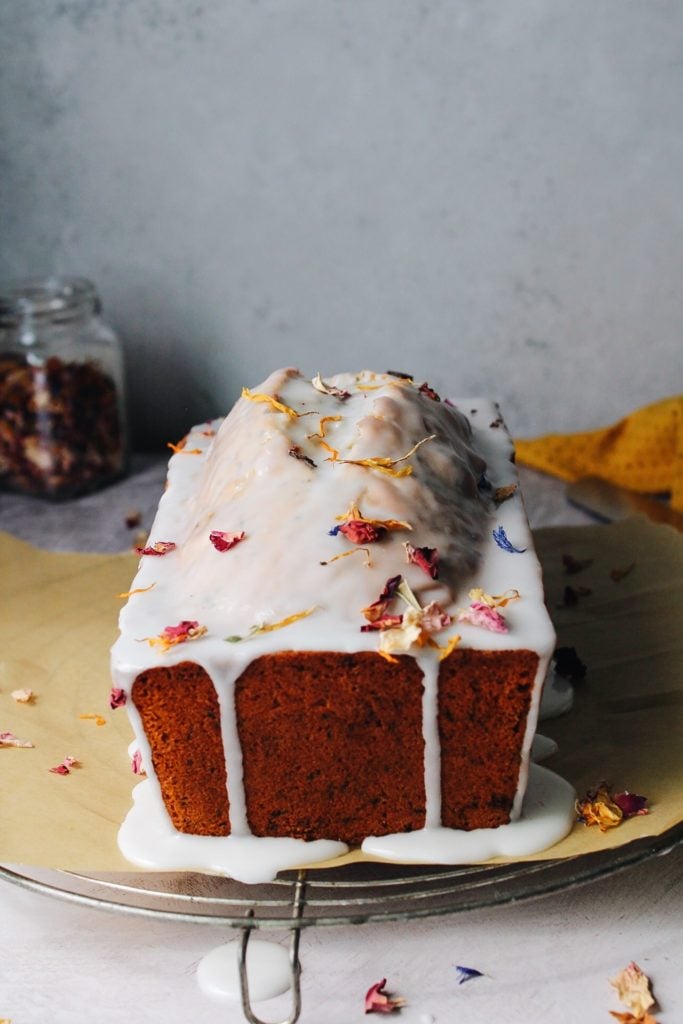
<point x="633" y="989"/>
<point x="568" y="665"/>
<point x="619" y="574"/>
<point x="223" y="541"/>
<point x="138" y="590"/>
<point x="64" y="768"/>
<point x="467" y="973"/>
<point x="377" y="1000"/>
<point x="321" y="431"/>
<point x="401" y="638"/>
<point x="354" y="514"/>
<point x="334" y="454"/>
<point x="97" y="719"/>
<point x="399" y="374"/>
<point x="598" y="808"/>
<point x="494" y="600"/>
<point x="384" y="464"/>
<point x="573" y="565"/>
<point x="258" y="396"/>
<point x="188" y="629"/>
<point x="428" y="392"/>
<point x="359" y="532"/>
<point x="450" y="646"/>
<point x="502" y="494"/>
<point x="426" y="558"/>
<point x="345" y="554"/>
<point x="23" y="696"/>
<point x="377" y="609"/>
<point x="8" y="739"/>
<point x="434" y="618"/>
<point x="161" y="547"/>
<point x="180" y="449"/>
<point x="571" y="595"/>
<point x="480" y="614"/>
<point x="136" y="763"/>
<point x="270" y="627"/>
<point x="329" y="389"/>
<point x="631" y="804"/>
<point x="384" y="622"/>
<point x="628" y="1018"/>
<point x="117" y="697"/>
<point x="296" y="452"/>
<point x="501" y="539"/>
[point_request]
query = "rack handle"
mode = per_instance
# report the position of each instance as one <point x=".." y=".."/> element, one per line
<point x="294" y="961"/>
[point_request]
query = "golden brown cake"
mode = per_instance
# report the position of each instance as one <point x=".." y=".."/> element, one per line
<point x="337" y="632"/>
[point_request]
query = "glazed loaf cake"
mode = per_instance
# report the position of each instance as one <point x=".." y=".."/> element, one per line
<point x="337" y="630"/>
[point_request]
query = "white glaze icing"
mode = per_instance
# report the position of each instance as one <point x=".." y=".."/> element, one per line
<point x="244" y="480"/>
<point x="268" y="971"/>
<point x="542" y="748"/>
<point x="147" y="838"/>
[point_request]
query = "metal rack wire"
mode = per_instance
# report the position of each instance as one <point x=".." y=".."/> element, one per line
<point x="353" y="894"/>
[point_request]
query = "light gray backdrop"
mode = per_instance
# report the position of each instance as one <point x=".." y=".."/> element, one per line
<point x="486" y="193"/>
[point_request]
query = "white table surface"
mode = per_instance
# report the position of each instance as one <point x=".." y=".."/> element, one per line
<point x="545" y="961"/>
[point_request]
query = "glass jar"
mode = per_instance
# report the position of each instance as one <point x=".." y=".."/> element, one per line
<point x="62" y="413"/>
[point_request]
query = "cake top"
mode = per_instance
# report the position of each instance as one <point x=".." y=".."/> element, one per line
<point x="352" y="513"/>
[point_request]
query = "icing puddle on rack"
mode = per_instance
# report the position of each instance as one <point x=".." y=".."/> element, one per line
<point x="268" y="971"/>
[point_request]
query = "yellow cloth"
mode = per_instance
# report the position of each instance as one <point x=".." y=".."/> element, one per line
<point x="643" y="452"/>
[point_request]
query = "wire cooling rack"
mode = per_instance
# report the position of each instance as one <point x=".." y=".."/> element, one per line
<point x="352" y="894"/>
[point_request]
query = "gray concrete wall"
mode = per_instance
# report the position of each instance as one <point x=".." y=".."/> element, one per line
<point x="484" y="192"/>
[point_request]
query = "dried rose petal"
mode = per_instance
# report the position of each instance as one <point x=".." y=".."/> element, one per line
<point x="161" y="547"/>
<point x="359" y="532"/>
<point x="188" y="629"/>
<point x="65" y="767"/>
<point x="117" y="697"/>
<point x="573" y="565"/>
<point x="136" y="764"/>
<point x="426" y="558"/>
<point x="378" y="607"/>
<point x="377" y="1000"/>
<point x="631" y="804"/>
<point x="434" y="618"/>
<point x="480" y="614"/>
<point x="428" y="392"/>
<point x="8" y="739"/>
<point x="223" y="541"/>
<point x="384" y="622"/>
<point x="633" y="989"/>
<point x="22" y="696"/>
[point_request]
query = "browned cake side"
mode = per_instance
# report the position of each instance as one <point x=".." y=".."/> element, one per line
<point x="332" y="745"/>
<point x="484" y="699"/>
<point x="181" y="718"/>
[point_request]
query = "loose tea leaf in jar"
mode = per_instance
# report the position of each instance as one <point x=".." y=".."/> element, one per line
<point x="62" y="429"/>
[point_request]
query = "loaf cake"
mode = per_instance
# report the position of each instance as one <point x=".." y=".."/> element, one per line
<point x="336" y="636"/>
